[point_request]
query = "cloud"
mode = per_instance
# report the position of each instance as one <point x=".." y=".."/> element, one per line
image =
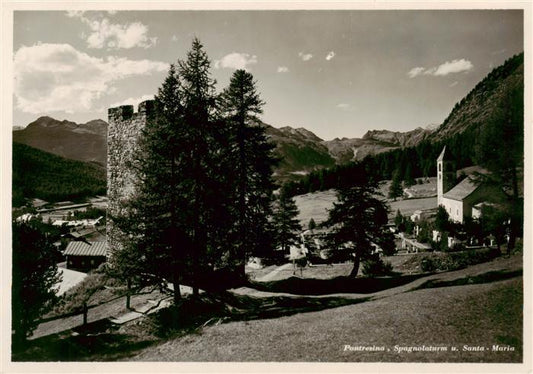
<point x="175" y="38"/>
<point x="449" y="67"/>
<point x="105" y="34"/>
<point x="344" y="106"/>
<point x="455" y="66"/>
<point x="57" y="77"/>
<point x="283" y="69"/>
<point x="305" y="56"/>
<point x="330" y="55"/>
<point x="414" y="72"/>
<point x="236" y="61"/>
<point x="132" y="101"/>
<point x="454" y="84"/>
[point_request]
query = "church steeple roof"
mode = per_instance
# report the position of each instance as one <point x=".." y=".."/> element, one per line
<point x="444" y="155"/>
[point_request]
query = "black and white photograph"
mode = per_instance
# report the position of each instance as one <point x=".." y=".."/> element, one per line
<point x="294" y="183"/>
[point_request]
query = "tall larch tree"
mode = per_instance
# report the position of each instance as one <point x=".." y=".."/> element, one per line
<point x="358" y="218"/>
<point x="251" y="157"/>
<point x="285" y="222"/>
<point x="198" y="114"/>
<point x="154" y="225"/>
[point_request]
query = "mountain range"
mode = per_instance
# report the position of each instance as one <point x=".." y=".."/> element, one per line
<point x="83" y="142"/>
<point x="300" y="151"/>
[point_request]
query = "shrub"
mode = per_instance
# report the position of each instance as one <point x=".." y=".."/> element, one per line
<point x="457" y="260"/>
<point x="427" y="265"/>
<point x="375" y="266"/>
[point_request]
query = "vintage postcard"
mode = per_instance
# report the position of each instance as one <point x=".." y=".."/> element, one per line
<point x="252" y="187"/>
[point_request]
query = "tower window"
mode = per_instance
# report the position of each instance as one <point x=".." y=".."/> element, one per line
<point x="440" y="165"/>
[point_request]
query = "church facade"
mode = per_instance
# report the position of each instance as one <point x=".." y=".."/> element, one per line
<point x="460" y="199"/>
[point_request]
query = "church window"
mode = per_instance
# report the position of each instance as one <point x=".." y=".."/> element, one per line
<point x="440" y="165"/>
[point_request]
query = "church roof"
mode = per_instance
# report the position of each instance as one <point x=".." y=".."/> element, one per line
<point x="462" y="189"/>
<point x="444" y="155"/>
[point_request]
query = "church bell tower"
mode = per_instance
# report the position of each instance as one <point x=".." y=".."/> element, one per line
<point x="445" y="174"/>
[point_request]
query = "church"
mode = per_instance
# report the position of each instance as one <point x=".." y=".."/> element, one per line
<point x="463" y="199"/>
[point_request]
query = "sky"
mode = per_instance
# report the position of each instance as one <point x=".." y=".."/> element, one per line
<point x="337" y="73"/>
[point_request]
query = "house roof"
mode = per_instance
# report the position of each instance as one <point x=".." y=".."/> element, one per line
<point x="76" y="248"/>
<point x="462" y="189"/>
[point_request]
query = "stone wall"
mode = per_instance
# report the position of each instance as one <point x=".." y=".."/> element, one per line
<point x="123" y="132"/>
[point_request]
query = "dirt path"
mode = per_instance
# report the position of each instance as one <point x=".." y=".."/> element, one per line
<point x="499" y="264"/>
<point x="273" y="273"/>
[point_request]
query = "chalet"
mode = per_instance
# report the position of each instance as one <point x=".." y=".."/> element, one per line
<point x="84" y="256"/>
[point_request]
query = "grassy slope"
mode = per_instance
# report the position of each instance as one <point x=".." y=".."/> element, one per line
<point x="53" y="178"/>
<point x="475" y="314"/>
<point x="316" y="205"/>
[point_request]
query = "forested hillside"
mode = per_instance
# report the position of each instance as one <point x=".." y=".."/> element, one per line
<point x="478" y="107"/>
<point x="53" y="178"/>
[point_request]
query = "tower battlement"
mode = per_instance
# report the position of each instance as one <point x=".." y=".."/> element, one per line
<point x="126" y="112"/>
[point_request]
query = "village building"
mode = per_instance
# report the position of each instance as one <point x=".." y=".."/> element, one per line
<point x="423" y="215"/>
<point x="413" y="246"/>
<point x="84" y="256"/>
<point x="463" y="199"/>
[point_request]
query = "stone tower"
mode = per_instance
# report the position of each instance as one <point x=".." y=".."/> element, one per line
<point x="122" y="134"/>
<point x="445" y="174"/>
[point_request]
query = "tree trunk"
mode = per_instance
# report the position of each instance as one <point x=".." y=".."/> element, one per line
<point x="128" y="294"/>
<point x="355" y="270"/>
<point x="241" y="272"/>
<point x="85" y="310"/>
<point x="515" y="200"/>
<point x="174" y="233"/>
<point x="177" y="292"/>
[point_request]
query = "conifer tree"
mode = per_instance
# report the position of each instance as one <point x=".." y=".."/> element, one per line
<point x="358" y="219"/>
<point x="153" y="224"/>
<point x="395" y="189"/>
<point x="250" y="155"/>
<point x="203" y="178"/>
<point x="285" y="222"/>
<point x="34" y="274"/>
<point x="168" y="219"/>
